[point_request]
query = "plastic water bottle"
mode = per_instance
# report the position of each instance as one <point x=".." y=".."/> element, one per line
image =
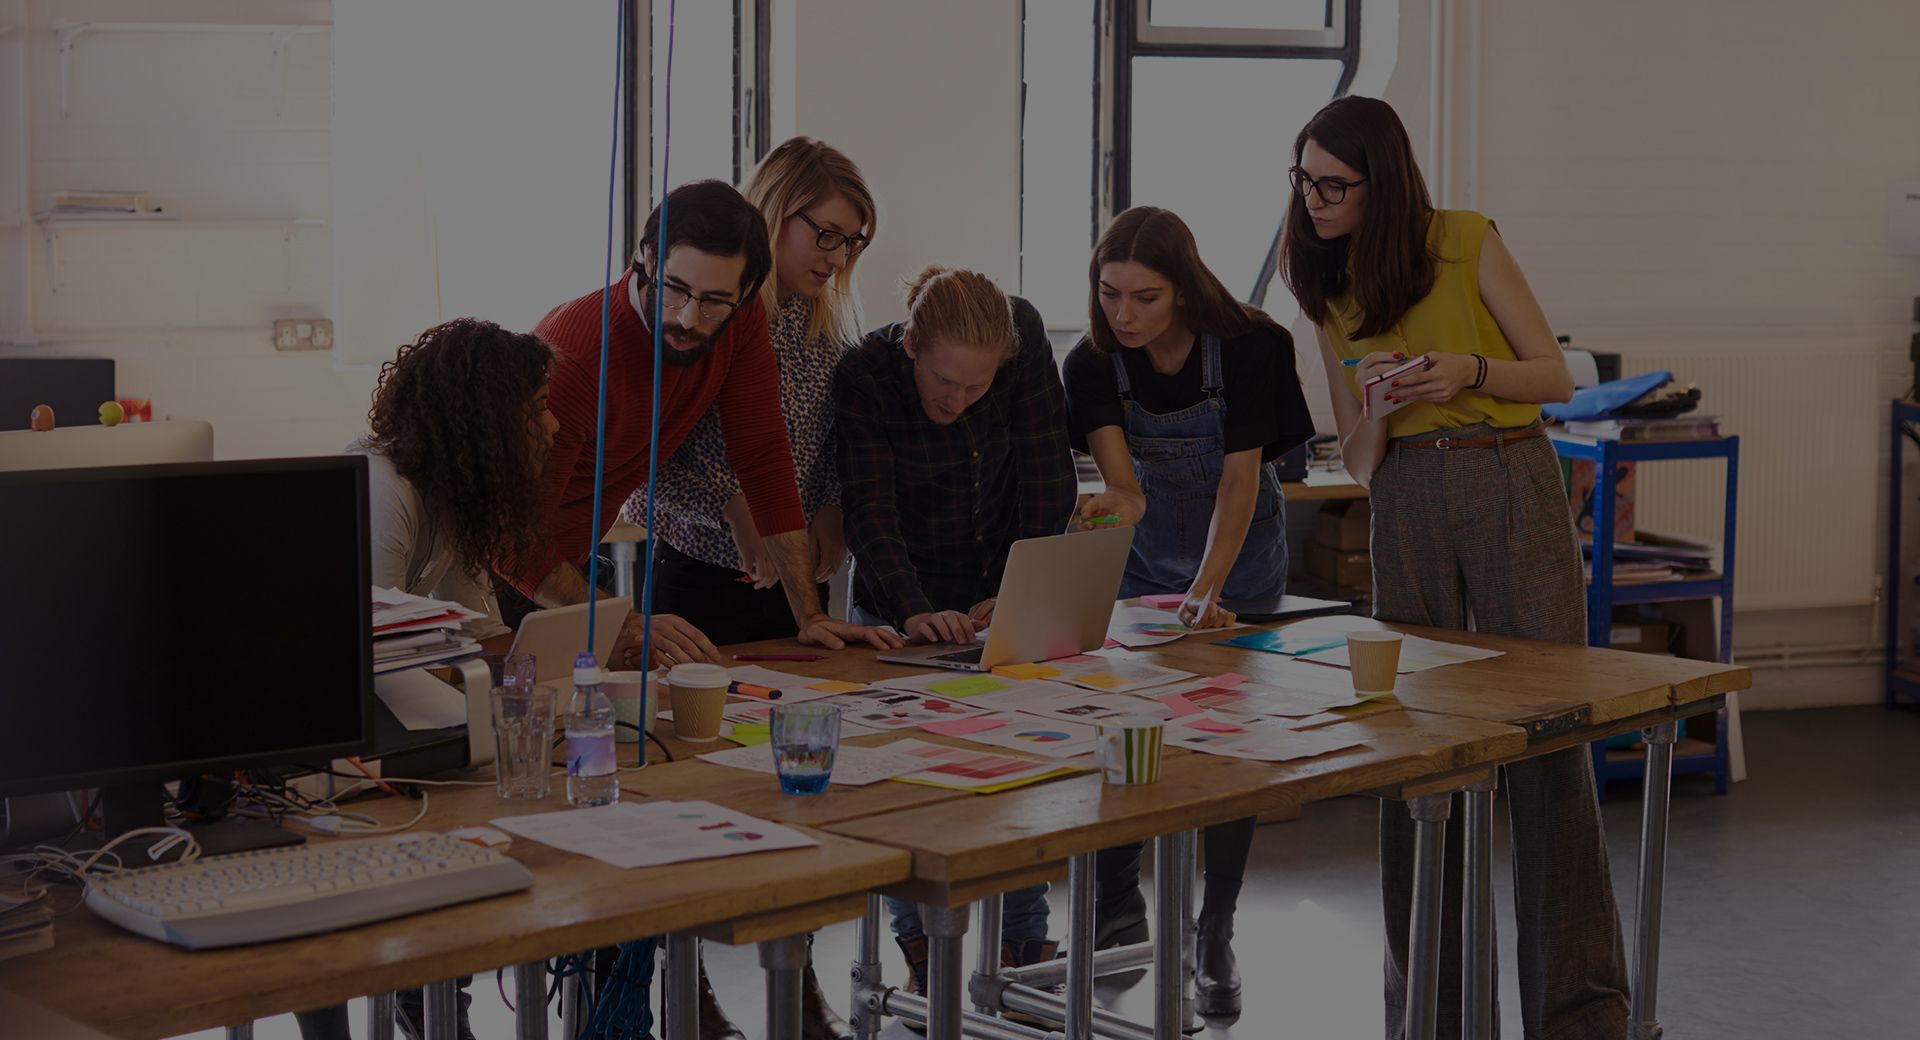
<point x="592" y="776"/>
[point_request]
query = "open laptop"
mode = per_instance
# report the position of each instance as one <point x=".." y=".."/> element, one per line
<point x="1055" y="600"/>
<point x="555" y="637"/>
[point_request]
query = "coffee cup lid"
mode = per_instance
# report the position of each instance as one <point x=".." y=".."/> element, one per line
<point x="698" y="675"/>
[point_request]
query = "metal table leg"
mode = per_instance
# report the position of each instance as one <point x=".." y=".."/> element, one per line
<point x="946" y="928"/>
<point x="441" y="1005"/>
<point x="987" y="964"/>
<point x="240" y="1032"/>
<point x="868" y="1001"/>
<point x="1476" y="914"/>
<point x="683" y="988"/>
<point x="380" y="1016"/>
<point x="574" y="1012"/>
<point x="1423" y="950"/>
<point x="783" y="960"/>
<point x="1171" y="857"/>
<point x="530" y="1001"/>
<point x="1645" y="1022"/>
<point x="1078" y="1018"/>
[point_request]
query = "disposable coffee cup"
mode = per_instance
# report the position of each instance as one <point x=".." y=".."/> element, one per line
<point x="699" y="700"/>
<point x="1375" y="659"/>
<point x="1127" y="749"/>
<point x="623" y="689"/>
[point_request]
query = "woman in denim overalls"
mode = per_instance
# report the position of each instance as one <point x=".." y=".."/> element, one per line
<point x="1184" y="396"/>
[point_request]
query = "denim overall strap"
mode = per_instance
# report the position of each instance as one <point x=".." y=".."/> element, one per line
<point x="1178" y="458"/>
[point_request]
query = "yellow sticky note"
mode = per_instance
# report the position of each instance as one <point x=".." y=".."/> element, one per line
<point x="836" y="686"/>
<point x="749" y="734"/>
<point x="966" y="686"/>
<point x="1102" y="680"/>
<point x="1024" y="672"/>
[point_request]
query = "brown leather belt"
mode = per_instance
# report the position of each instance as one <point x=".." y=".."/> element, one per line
<point x="1450" y="443"/>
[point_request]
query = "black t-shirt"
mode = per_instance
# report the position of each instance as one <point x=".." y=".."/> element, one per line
<point x="1265" y="406"/>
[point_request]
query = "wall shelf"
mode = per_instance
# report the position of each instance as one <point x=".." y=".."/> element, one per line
<point x="63" y="223"/>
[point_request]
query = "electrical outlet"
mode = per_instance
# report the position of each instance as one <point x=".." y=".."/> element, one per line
<point x="302" y="334"/>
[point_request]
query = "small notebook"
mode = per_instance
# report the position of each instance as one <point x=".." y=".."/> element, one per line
<point x="1373" y="398"/>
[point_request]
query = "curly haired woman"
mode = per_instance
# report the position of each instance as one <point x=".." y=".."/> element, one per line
<point x="459" y="439"/>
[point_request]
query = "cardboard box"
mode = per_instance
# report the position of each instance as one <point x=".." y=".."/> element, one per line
<point x="1578" y="475"/>
<point x="1642" y="636"/>
<point x="1350" y="572"/>
<point x="1343" y="526"/>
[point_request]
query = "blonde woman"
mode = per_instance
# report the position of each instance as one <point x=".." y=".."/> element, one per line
<point x="711" y="567"/>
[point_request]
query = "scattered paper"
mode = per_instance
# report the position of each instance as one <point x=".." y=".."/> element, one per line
<point x="1252" y="698"/>
<point x="1069" y="704"/>
<point x="964" y="727"/>
<point x="1416" y="655"/>
<point x="835" y="686"/>
<point x="1135" y="627"/>
<point x="963" y="769"/>
<point x="1164" y="600"/>
<point x="1050" y="738"/>
<point x="1228" y="680"/>
<point x="1120" y="676"/>
<point x="1259" y="740"/>
<point x="967" y="686"/>
<point x="888" y="710"/>
<point x="793" y="688"/>
<point x="651" y="834"/>
<point x="1179" y="705"/>
<point x="853" y="766"/>
<point x="1022" y="672"/>
<point x="421" y="701"/>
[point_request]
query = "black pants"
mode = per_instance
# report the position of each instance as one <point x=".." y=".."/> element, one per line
<point x="1225" y="846"/>
<point x="715" y="600"/>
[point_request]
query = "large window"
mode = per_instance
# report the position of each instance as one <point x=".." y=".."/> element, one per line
<point x="1193" y="106"/>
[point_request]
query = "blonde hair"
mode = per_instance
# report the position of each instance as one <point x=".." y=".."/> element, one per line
<point x="960" y="305"/>
<point x="802" y="172"/>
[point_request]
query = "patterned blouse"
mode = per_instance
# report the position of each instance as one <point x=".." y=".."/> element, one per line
<point x="696" y="482"/>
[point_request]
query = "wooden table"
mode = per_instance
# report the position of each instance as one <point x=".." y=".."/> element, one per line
<point x="1444" y="731"/>
<point x="576" y="903"/>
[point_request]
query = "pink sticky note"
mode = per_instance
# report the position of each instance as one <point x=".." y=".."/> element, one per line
<point x="1112" y="644"/>
<point x="1214" y="726"/>
<point x="1075" y="659"/>
<point x="1163" y="600"/>
<point x="1228" y="681"/>
<point x="962" y="727"/>
<point x="1180" y="705"/>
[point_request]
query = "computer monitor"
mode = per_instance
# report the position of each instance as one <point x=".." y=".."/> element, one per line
<point x="166" y="622"/>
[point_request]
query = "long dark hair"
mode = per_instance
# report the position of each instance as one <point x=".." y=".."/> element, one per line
<point x="1158" y="239"/>
<point x="1385" y="263"/>
<point x="453" y="413"/>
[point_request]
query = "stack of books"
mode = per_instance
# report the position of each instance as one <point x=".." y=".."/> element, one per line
<point x="409" y="631"/>
<point x="1670" y="428"/>
<point x="26" y="921"/>
<point x="1660" y="558"/>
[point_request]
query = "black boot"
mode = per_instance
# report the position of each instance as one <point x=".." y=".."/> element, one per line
<point x="1019" y="954"/>
<point x="915" y="950"/>
<point x="817" y="1018"/>
<point x="1119" y="910"/>
<point x="1216" y="981"/>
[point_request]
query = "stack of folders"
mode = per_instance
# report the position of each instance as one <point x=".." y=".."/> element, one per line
<point x="1663" y="558"/>
<point x="1675" y="428"/>
<point x="26" y="921"/>
<point x="409" y="631"/>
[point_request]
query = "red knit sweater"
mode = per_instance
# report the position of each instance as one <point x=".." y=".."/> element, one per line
<point x="739" y="374"/>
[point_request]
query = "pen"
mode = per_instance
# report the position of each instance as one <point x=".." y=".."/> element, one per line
<point x="778" y="657"/>
<point x="765" y="693"/>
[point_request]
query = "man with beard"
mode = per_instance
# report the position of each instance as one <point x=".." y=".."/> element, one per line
<point x="715" y="351"/>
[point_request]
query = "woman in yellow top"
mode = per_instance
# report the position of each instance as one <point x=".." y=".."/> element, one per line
<point x="1470" y="522"/>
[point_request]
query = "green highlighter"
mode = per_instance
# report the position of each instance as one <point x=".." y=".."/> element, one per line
<point x="1110" y="518"/>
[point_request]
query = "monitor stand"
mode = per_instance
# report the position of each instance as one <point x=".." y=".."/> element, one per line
<point x="142" y="805"/>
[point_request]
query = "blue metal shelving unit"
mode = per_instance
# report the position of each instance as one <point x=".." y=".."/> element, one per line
<point x="1903" y="682"/>
<point x="1603" y="595"/>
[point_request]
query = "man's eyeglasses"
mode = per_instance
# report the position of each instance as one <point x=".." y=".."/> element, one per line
<point x="673" y="299"/>
<point x="828" y="240"/>
<point x="1333" y="190"/>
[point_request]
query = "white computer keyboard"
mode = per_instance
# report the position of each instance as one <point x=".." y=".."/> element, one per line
<point x="281" y="893"/>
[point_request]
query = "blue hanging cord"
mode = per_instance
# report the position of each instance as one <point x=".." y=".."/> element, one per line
<point x="606" y="315"/>
<point x="653" y="435"/>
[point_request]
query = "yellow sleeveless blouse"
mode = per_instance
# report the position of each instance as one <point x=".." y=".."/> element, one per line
<point x="1451" y="318"/>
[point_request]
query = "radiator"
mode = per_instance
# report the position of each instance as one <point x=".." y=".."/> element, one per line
<point x="1810" y="419"/>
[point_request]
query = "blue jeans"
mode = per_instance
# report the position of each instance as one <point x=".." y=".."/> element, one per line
<point x="1023" y="916"/>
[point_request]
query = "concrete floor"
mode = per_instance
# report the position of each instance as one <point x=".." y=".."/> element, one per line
<point x="1793" y="904"/>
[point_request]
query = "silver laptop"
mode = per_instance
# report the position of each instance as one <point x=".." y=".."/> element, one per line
<point x="1055" y="600"/>
<point x="555" y="637"/>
